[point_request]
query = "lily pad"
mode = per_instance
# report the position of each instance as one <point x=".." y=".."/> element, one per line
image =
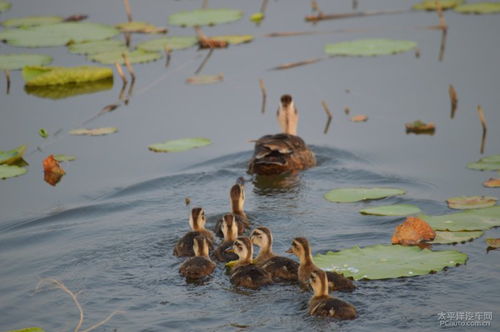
<point x="18" y="61"/>
<point x="94" y="132"/>
<point x="69" y="90"/>
<point x="30" y="21"/>
<point x="257" y="17"/>
<point x="350" y="195"/>
<point x="178" y="145"/>
<point x="172" y="43"/>
<point x="64" y="157"/>
<point x="29" y="329"/>
<point x="234" y="39"/>
<point x="136" y="56"/>
<point x="392" y="210"/>
<point x="97" y="46"/>
<point x="369" y="47"/>
<point x="43" y="76"/>
<point x="490" y="163"/>
<point x="479" y="8"/>
<point x="9" y="171"/>
<point x="471" y="202"/>
<point x="140" y="27"/>
<point x="492" y="183"/>
<point x="455" y="237"/>
<point x="493" y="243"/>
<point x="388" y="261"/>
<point x="419" y="127"/>
<point x="4" y="5"/>
<point x="199" y="17"/>
<point x="204" y="79"/>
<point x="57" y="34"/>
<point x="43" y="133"/>
<point x="431" y="4"/>
<point x="470" y="220"/>
<point x="12" y="156"/>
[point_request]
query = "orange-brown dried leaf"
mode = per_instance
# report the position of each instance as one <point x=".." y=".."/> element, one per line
<point x="359" y="118"/>
<point x="52" y="171"/>
<point x="419" y="127"/>
<point x="212" y="43"/>
<point x="492" y="183"/>
<point x="412" y="231"/>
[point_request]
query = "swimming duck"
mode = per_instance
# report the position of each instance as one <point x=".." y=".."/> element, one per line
<point x="245" y="273"/>
<point x="237" y="201"/>
<point x="184" y="246"/>
<point x="199" y="266"/>
<point x="284" y="152"/>
<point x="300" y="247"/>
<point x="322" y="304"/>
<point x="230" y="231"/>
<point x="280" y="268"/>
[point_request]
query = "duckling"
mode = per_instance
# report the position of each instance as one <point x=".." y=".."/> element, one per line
<point x="237" y="200"/>
<point x="245" y="273"/>
<point x="280" y="268"/>
<point x="284" y="152"/>
<point x="184" y="246"/>
<point x="230" y="231"/>
<point x="199" y="266"/>
<point x="322" y="304"/>
<point x="300" y="248"/>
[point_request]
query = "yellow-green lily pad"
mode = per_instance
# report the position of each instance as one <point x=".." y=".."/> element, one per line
<point x="489" y="163"/>
<point x="350" y="195"/>
<point x="29" y="329"/>
<point x="479" y="8"/>
<point x="136" y="56"/>
<point x="18" y="61"/>
<point x="62" y="91"/>
<point x="199" y="17"/>
<point x="57" y="34"/>
<point x="388" y="261"/>
<point x="44" y="76"/>
<point x="4" y="5"/>
<point x="178" y="145"/>
<point x="64" y="157"/>
<point x="369" y="47"/>
<point x="443" y="237"/>
<point x="470" y="220"/>
<point x="139" y="27"/>
<point x="257" y="17"/>
<point x="94" y="132"/>
<point x="233" y="39"/>
<point x="471" y="202"/>
<point x="431" y="4"/>
<point x="97" y="46"/>
<point x="30" y="21"/>
<point x="12" y="156"/>
<point x="171" y="43"/>
<point x="10" y="171"/>
<point x="392" y="210"/>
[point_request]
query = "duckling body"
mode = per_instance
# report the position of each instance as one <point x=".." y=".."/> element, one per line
<point x="280" y="268"/>
<point x="245" y="274"/>
<point x="322" y="304"/>
<point x="199" y="266"/>
<point x="230" y="231"/>
<point x="237" y="201"/>
<point x="284" y="152"/>
<point x="184" y="246"/>
<point x="336" y="281"/>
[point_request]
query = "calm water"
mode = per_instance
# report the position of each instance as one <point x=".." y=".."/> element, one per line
<point x="109" y="227"/>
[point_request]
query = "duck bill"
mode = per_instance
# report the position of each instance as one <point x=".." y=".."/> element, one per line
<point x="289" y="251"/>
<point x="230" y="250"/>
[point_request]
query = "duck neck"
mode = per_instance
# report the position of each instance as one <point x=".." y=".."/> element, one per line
<point x="265" y="252"/>
<point x="237" y="207"/>
<point x="322" y="290"/>
<point x="306" y="258"/>
<point x="245" y="260"/>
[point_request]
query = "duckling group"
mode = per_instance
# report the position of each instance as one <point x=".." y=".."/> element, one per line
<point x="266" y="268"/>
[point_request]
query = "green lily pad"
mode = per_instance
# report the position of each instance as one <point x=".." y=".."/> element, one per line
<point x="392" y="210"/>
<point x="9" y="171"/>
<point x="43" y="133"/>
<point x="29" y="329"/>
<point x="489" y="163"/>
<point x="43" y="76"/>
<point x="136" y="56"/>
<point x="97" y="46"/>
<point x="4" y="5"/>
<point x="257" y="17"/>
<point x="18" y="61"/>
<point x="94" y="132"/>
<point x="30" y="21"/>
<point x="431" y="4"/>
<point x="471" y="202"/>
<point x="470" y="220"/>
<point x="12" y="156"/>
<point x="493" y="243"/>
<point x="204" y="79"/>
<point x="199" y="17"/>
<point x="388" y="261"/>
<point x="172" y="43"/>
<point x="57" y="34"/>
<point x="178" y="145"/>
<point x="64" y="157"/>
<point x="350" y="195"/>
<point x="140" y="27"/>
<point x="479" y="8"/>
<point x="455" y="237"/>
<point x="369" y="47"/>
<point x="234" y="39"/>
<point x="62" y="91"/>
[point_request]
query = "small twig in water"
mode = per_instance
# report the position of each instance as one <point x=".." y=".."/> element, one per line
<point x="314" y="6"/>
<point x="417" y="53"/>
<point x="168" y="55"/>
<point x="328" y="114"/>
<point x="453" y="99"/>
<point x="204" y="4"/>
<point x="128" y="38"/>
<point x="263" y="6"/>
<point x="297" y="64"/>
<point x="7" y="79"/>
<point x="264" y="96"/>
<point x="200" y="68"/>
<point x="347" y="110"/>
<point x="121" y="73"/>
<point x="484" y="125"/>
<point x="128" y="10"/>
<point x="129" y="66"/>
<point x="321" y="16"/>
<point x="354" y="4"/>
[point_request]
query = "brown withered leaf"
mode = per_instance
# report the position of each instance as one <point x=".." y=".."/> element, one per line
<point x="492" y="183"/>
<point x="412" y="232"/>
<point x="359" y="118"/>
<point x="419" y="127"/>
<point x="52" y="171"/>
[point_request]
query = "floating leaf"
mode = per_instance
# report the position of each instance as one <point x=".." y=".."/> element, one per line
<point x="359" y="118"/>
<point x="431" y="4"/>
<point x="412" y="231"/>
<point x="369" y="47"/>
<point x="29" y="329"/>
<point x="42" y="76"/>
<point x="233" y="39"/>
<point x="204" y="79"/>
<point x="43" y="133"/>
<point x="470" y="220"/>
<point x="388" y="261"/>
<point x="57" y="34"/>
<point x="200" y="17"/>
<point x="471" y="202"/>
<point x="493" y="243"/>
<point x="419" y="127"/>
<point x="52" y="171"/>
<point x="492" y="183"/>
<point x="18" y="61"/>
<point x="349" y="195"/>
<point x="490" y="163"/>
<point x="4" y="5"/>
<point x="455" y="237"/>
<point x="479" y="8"/>
<point x="30" y="21"/>
<point x="178" y="145"/>
<point x="392" y="210"/>
<point x="64" y="157"/>
<point x="12" y="156"/>
<point x="257" y="17"/>
<point x="136" y="56"/>
<point x="171" y="43"/>
<point x="69" y="90"/>
<point x="9" y="171"/>
<point x="94" y="132"/>
<point x="97" y="46"/>
<point x="140" y="27"/>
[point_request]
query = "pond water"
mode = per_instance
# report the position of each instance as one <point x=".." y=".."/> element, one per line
<point x="108" y="228"/>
